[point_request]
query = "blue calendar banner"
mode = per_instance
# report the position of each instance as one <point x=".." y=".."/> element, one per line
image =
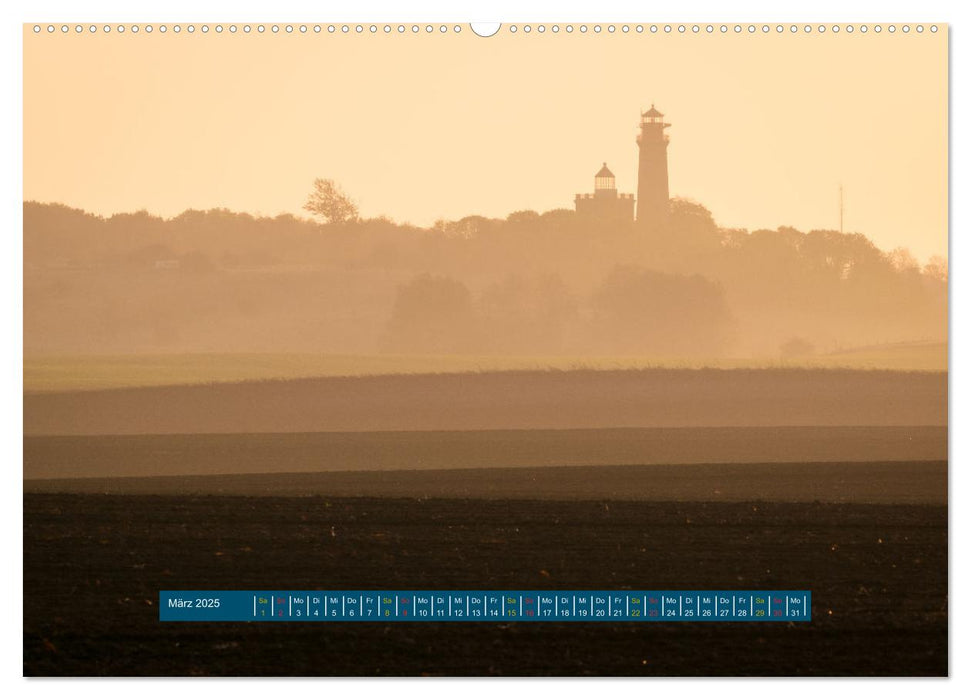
<point x="485" y="606"/>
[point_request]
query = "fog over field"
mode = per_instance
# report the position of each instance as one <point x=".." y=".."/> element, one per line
<point x="546" y="284"/>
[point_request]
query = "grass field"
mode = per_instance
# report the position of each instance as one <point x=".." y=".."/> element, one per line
<point x="517" y="400"/>
<point x="80" y="372"/>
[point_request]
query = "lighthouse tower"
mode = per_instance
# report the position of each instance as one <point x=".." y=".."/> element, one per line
<point x="653" y="206"/>
<point x="605" y="204"/>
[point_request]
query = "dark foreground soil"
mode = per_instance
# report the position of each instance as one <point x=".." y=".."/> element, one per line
<point x="895" y="482"/>
<point x="94" y="564"/>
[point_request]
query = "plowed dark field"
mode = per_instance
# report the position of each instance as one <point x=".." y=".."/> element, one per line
<point x="94" y="564"/>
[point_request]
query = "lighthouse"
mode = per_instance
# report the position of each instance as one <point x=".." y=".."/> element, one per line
<point x="653" y="207"/>
<point x="605" y="204"/>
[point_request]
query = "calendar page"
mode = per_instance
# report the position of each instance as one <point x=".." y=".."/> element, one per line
<point x="516" y="349"/>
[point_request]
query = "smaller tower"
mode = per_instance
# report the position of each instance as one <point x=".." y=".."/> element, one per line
<point x="604" y="183"/>
<point x="605" y="204"/>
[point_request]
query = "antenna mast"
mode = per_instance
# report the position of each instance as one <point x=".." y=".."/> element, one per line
<point x="841" y="208"/>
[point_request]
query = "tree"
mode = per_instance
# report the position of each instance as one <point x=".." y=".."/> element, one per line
<point x="936" y="268"/>
<point x="329" y="202"/>
<point x="903" y="260"/>
<point x="647" y="312"/>
<point x="432" y="314"/>
<point x="526" y="216"/>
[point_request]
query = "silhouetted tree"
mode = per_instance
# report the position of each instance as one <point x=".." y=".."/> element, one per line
<point x="330" y="203"/>
<point x="936" y="268"/>
<point x="333" y="286"/>
<point x="432" y="314"/>
<point x="466" y="227"/>
<point x="688" y="215"/>
<point x="559" y="216"/>
<point x="903" y="260"/>
<point x="526" y="216"/>
<point x="641" y="312"/>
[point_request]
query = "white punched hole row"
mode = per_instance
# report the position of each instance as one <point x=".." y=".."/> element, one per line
<point x="484" y="30"/>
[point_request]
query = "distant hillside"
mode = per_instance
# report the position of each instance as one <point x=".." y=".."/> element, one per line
<point x="503" y="400"/>
<point x="529" y="285"/>
<point x="74" y="372"/>
<point x="905" y="356"/>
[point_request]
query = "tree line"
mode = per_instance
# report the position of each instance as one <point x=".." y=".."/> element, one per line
<point x="532" y="282"/>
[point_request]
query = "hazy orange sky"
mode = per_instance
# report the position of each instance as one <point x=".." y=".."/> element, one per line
<point x="422" y="127"/>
